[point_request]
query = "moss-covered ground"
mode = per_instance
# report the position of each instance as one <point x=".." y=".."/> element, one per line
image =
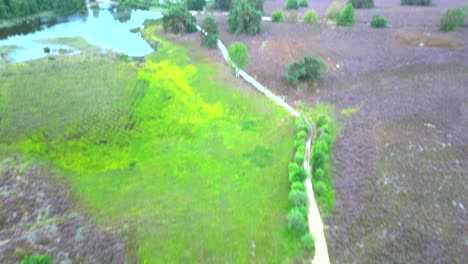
<point x="167" y="149"/>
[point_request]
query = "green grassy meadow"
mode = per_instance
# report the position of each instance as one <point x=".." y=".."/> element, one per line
<point x="168" y="150"/>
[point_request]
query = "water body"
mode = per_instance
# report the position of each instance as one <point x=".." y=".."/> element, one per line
<point x="105" y="25"/>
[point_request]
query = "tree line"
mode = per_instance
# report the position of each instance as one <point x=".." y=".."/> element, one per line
<point x="20" y="8"/>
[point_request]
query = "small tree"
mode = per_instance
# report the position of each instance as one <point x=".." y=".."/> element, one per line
<point x="346" y="17"/>
<point x="244" y="18"/>
<point x="416" y="2"/>
<point x="303" y="3"/>
<point x="308" y="242"/>
<point x="296" y="221"/>
<point x="178" y="19"/>
<point x="310" y="17"/>
<point x="453" y="18"/>
<point x="307" y="70"/>
<point x="210" y="36"/>
<point x="277" y="16"/>
<point x="298" y="186"/>
<point x="239" y="54"/>
<point x="319" y="174"/>
<point x="195" y="4"/>
<point x="334" y="10"/>
<point x="292" y="4"/>
<point x="362" y="3"/>
<point x="319" y="188"/>
<point x="378" y="21"/>
<point x="298" y="198"/>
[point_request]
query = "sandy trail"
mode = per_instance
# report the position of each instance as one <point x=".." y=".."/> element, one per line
<point x="314" y="219"/>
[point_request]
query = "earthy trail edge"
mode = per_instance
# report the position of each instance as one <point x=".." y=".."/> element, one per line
<point x="314" y="219"/>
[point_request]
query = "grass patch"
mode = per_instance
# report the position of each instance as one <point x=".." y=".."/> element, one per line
<point x="349" y="111"/>
<point x="171" y="147"/>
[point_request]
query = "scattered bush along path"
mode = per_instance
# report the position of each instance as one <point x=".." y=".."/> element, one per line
<point x="314" y="219"/>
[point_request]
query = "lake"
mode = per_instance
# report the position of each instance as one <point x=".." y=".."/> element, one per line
<point x="103" y="25"/>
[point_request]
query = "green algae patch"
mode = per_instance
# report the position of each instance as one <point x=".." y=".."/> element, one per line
<point x="169" y="152"/>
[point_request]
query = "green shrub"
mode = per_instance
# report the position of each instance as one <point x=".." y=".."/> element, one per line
<point x="334" y="10"/>
<point x="308" y="242"/>
<point x="47" y="50"/>
<point x="319" y="174"/>
<point x="299" y="143"/>
<point x="416" y="2"/>
<point x="298" y="198"/>
<point x="325" y="137"/>
<point x="362" y="3"/>
<point x="296" y="173"/>
<point x="303" y="3"/>
<point x="321" y="146"/>
<point x="239" y="54"/>
<point x="301" y="124"/>
<point x="178" y="19"/>
<point x="303" y="211"/>
<point x="301" y="135"/>
<point x="319" y="188"/>
<point x="195" y="4"/>
<point x="301" y="149"/>
<point x="37" y="259"/>
<point x="277" y="16"/>
<point x="310" y="17"/>
<point x="453" y="18"/>
<point x="298" y="186"/>
<point x="321" y="121"/>
<point x="292" y="4"/>
<point x="307" y="70"/>
<point x="318" y="159"/>
<point x="297" y="221"/>
<point x="378" y="21"/>
<point x="299" y="157"/>
<point x="346" y="17"/>
<point x="244" y="18"/>
<point x="210" y="26"/>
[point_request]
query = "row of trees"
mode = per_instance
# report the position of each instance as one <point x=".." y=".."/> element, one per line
<point x="20" y="8"/>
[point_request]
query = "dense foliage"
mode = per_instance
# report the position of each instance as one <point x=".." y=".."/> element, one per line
<point x="210" y="36"/>
<point x="292" y="4"/>
<point x="227" y="4"/>
<point x="297" y="221"/>
<point x="378" y="21"/>
<point x="304" y="71"/>
<point x="37" y="259"/>
<point x="303" y="3"/>
<point x="453" y="18"/>
<point x="195" y="4"/>
<point x="277" y="16"/>
<point x="18" y="8"/>
<point x="346" y="17"/>
<point x="362" y="3"/>
<point x="244" y="18"/>
<point x="239" y="54"/>
<point x="178" y="19"/>
<point x="308" y="242"/>
<point x="416" y="2"/>
<point x="334" y="10"/>
<point x="310" y="17"/>
<point x="145" y="4"/>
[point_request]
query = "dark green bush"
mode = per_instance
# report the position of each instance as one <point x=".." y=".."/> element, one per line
<point x="416" y="2"/>
<point x="301" y="135"/>
<point x="325" y="137"/>
<point x="319" y="188"/>
<point x="195" y="4"/>
<point x="303" y="211"/>
<point x="453" y="18"/>
<point x="19" y="8"/>
<point x="296" y="173"/>
<point x="308" y="242"/>
<point x="307" y="70"/>
<point x="318" y="159"/>
<point x="47" y="50"/>
<point x="321" y="121"/>
<point x="299" y="143"/>
<point x="310" y="17"/>
<point x="378" y="21"/>
<point x="244" y="18"/>
<point x="292" y="4"/>
<point x="346" y="17"/>
<point x="298" y="198"/>
<point x="277" y="16"/>
<point x="319" y="174"/>
<point x="301" y="124"/>
<point x="303" y="3"/>
<point x="210" y="26"/>
<point x="321" y="146"/>
<point x="301" y="149"/>
<point x="362" y="3"/>
<point x="239" y="54"/>
<point x="37" y="259"/>
<point x="178" y="19"/>
<point x="298" y="186"/>
<point x="297" y="221"/>
<point x="299" y="157"/>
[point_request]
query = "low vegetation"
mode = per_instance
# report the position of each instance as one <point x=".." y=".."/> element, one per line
<point x="239" y="54"/>
<point x="416" y="2"/>
<point x="196" y="5"/>
<point x="210" y="37"/>
<point x="292" y="4"/>
<point x="453" y="18"/>
<point x="310" y="17"/>
<point x="303" y="3"/>
<point x="378" y="21"/>
<point x="334" y="10"/>
<point x="37" y="259"/>
<point x="346" y="17"/>
<point x="307" y="71"/>
<point x="362" y="3"/>
<point x="277" y="16"/>
<point x="244" y="18"/>
<point x="178" y="20"/>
